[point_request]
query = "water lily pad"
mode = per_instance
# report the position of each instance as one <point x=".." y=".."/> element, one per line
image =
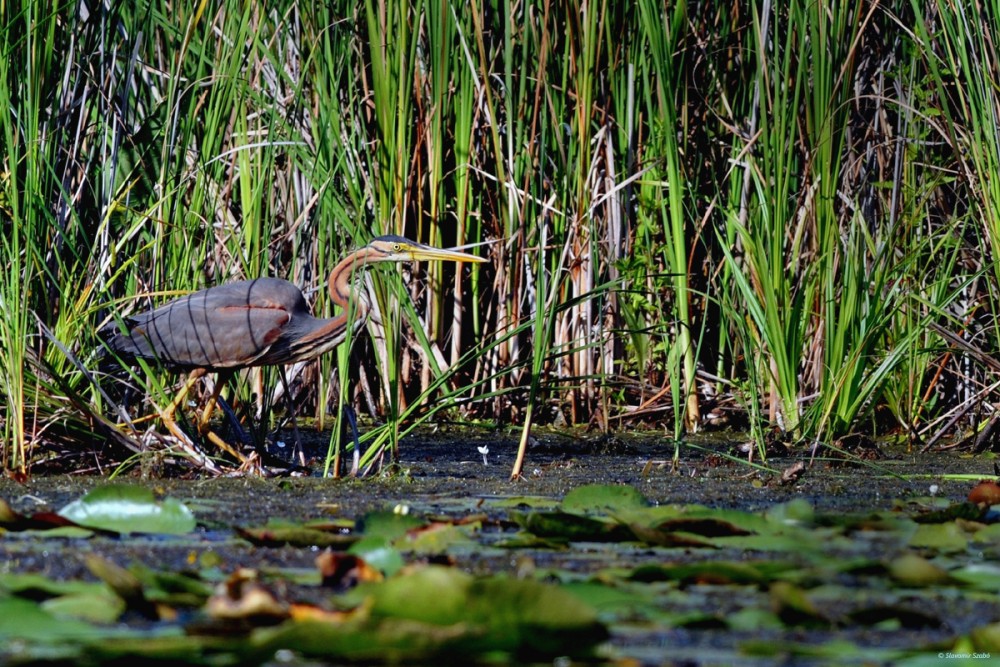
<point x="99" y="606"/>
<point x="572" y="527"/>
<point x="435" y="538"/>
<point x="498" y="613"/>
<point x="945" y="537"/>
<point x="794" y="607"/>
<point x="987" y="638"/>
<point x="378" y="552"/>
<point x="39" y="587"/>
<point x="795" y="512"/>
<point x="388" y="524"/>
<point x="916" y="571"/>
<point x="129" y="509"/>
<point x="979" y="576"/>
<point x="25" y="620"/>
<point x="40" y="521"/>
<point x="437" y="612"/>
<point x="602" y="499"/>
<point x="298" y="536"/>
<point x="709" y="572"/>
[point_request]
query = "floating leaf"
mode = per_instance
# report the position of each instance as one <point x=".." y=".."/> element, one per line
<point x="602" y="499"/>
<point x="436" y="612"/>
<point x="713" y="572"/>
<point x="970" y="511"/>
<point x="945" y="537"/>
<point x="378" y="552"/>
<point x="15" y="521"/>
<point x="572" y="527"/>
<point x="129" y="509"/>
<point x="795" y="512"/>
<point x="907" y="617"/>
<point x="682" y="531"/>
<point x="670" y="538"/>
<point x="434" y="538"/>
<point x="729" y="522"/>
<point x="388" y="524"/>
<point x="979" y="576"/>
<point x="523" y="502"/>
<point x="40" y="587"/>
<point x="794" y="607"/>
<point x="986" y="638"/>
<point x="499" y="613"/>
<point x="173" y="648"/>
<point x="99" y="606"/>
<point x="916" y="571"/>
<point x="988" y="535"/>
<point x="125" y="585"/>
<point x="322" y="534"/>
<point x="25" y="620"/>
<point x="754" y="620"/>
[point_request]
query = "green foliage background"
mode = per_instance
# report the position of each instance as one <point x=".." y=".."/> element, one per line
<point x="788" y="207"/>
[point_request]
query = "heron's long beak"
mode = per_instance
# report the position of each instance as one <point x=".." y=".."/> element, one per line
<point x="424" y="253"/>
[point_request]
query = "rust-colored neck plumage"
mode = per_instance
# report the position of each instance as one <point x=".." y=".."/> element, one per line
<point x="339" y="282"/>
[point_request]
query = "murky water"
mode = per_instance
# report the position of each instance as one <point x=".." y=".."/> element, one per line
<point x="444" y="474"/>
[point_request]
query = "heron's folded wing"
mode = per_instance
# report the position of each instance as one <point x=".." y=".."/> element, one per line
<point x="217" y="328"/>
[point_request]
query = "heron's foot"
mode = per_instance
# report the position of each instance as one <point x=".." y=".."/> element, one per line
<point x="219" y="442"/>
<point x="187" y="446"/>
<point x="251" y="467"/>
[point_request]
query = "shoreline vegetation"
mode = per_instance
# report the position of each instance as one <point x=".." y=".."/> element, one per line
<point x="781" y="217"/>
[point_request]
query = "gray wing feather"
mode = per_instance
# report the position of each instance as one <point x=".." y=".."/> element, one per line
<point x="220" y="327"/>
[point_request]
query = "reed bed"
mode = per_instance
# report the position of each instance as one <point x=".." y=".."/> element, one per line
<point x="783" y="217"/>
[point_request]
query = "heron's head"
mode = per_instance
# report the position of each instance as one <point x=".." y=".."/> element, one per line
<point x="399" y="249"/>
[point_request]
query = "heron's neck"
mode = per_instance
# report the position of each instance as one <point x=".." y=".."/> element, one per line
<point x="340" y="282"/>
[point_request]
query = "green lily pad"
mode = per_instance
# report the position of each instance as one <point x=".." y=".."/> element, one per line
<point x="916" y="571"/>
<point x="297" y="536"/>
<point x="25" y="620"/>
<point x="572" y="527"/>
<point x="388" y="524"/>
<point x="710" y="572"/>
<point x="438" y="613"/>
<point x="39" y="587"/>
<point x="602" y="499"/>
<point x="99" y="606"/>
<point x="435" y="538"/>
<point x="945" y="537"/>
<point x="129" y="509"/>
<point x="378" y="552"/>
<point x="498" y="613"/>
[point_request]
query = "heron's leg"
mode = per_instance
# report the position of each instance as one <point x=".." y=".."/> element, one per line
<point x="218" y="399"/>
<point x="167" y="417"/>
<point x="186" y="444"/>
<point x="214" y="438"/>
<point x="167" y="414"/>
<point x="290" y="404"/>
<point x="234" y="422"/>
<point x="220" y="381"/>
<point x="203" y="428"/>
<point x="347" y="410"/>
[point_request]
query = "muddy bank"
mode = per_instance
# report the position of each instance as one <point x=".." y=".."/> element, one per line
<point x="434" y="468"/>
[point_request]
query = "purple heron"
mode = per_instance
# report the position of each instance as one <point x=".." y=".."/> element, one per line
<point x="261" y="322"/>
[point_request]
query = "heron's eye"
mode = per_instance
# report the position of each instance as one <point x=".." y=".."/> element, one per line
<point x="397" y="247"/>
